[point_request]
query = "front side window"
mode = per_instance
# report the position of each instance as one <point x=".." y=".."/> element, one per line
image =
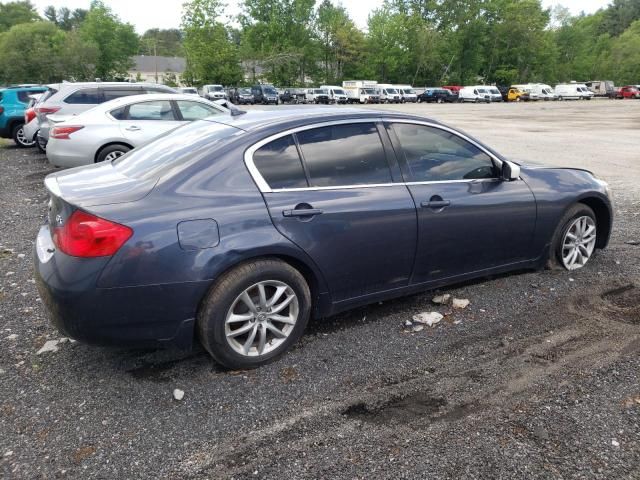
<point x="345" y="154"/>
<point x="196" y="110"/>
<point x="279" y="164"/>
<point x="87" y="96"/>
<point x="157" y="110"/>
<point x="434" y="155"/>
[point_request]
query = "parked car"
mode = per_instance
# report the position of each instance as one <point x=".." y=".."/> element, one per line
<point x="13" y="103"/>
<point x="573" y="91"/>
<point x="188" y="90"/>
<point x="437" y="95"/>
<point x="113" y="128"/>
<point x="602" y="88"/>
<point x="474" y="94"/>
<point x="318" y="95"/>
<point x="74" y="98"/>
<point x="388" y="94"/>
<point x="293" y="95"/>
<point x="242" y="96"/>
<point x="628" y="91"/>
<point x="407" y="93"/>
<point x="516" y="95"/>
<point x="336" y="94"/>
<point x="237" y="231"/>
<point x="494" y="94"/>
<point x="265" y="94"/>
<point x="31" y="126"/>
<point x="213" y="92"/>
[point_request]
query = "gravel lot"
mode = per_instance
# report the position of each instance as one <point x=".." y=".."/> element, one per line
<point x="537" y="378"/>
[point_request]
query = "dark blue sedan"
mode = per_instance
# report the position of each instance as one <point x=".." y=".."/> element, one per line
<point x="236" y="230"/>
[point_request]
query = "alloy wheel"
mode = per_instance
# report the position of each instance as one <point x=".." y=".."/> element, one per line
<point x="23" y="140"/>
<point x="579" y="242"/>
<point x="261" y="318"/>
<point x="113" y="155"/>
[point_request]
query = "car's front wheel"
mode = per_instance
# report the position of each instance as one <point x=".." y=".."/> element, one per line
<point x="575" y="239"/>
<point x="20" y="137"/>
<point x="254" y="313"/>
<point x="111" y="152"/>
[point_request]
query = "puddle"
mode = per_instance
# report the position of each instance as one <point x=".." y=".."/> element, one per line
<point x="624" y="304"/>
<point x="405" y="410"/>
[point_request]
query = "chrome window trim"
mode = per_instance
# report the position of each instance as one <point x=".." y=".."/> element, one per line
<point x="264" y="187"/>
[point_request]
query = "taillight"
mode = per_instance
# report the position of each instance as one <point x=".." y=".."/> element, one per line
<point x="1" y="110"/>
<point x="29" y="115"/>
<point x="47" y="110"/>
<point x="62" y="133"/>
<point x="85" y="235"/>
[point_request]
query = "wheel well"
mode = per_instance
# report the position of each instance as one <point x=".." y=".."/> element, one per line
<point x="95" y="158"/>
<point x="603" y="219"/>
<point x="13" y="123"/>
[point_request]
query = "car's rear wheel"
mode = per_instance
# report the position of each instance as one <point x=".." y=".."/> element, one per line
<point x="111" y="152"/>
<point x="575" y="238"/>
<point x="254" y="313"/>
<point x="20" y="137"/>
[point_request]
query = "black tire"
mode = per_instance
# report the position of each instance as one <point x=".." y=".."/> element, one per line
<point x="17" y="133"/>
<point x="40" y="143"/>
<point x="212" y="314"/>
<point x="111" y="149"/>
<point x="555" y="254"/>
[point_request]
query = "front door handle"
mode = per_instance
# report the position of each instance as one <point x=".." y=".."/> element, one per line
<point x="436" y="204"/>
<point x="301" y="212"/>
<point x="133" y="128"/>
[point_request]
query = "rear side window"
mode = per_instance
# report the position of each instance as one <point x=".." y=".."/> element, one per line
<point x="196" y="110"/>
<point x="46" y="95"/>
<point x="88" y="96"/>
<point x="23" y="95"/>
<point x="347" y="154"/>
<point x="157" y="110"/>
<point x="279" y="164"/>
<point x="434" y="155"/>
<point x="113" y="93"/>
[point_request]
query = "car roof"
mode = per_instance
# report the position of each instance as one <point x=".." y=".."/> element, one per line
<point x="257" y="119"/>
<point x="149" y="97"/>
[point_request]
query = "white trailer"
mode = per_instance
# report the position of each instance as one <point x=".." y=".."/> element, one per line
<point x="361" y="91"/>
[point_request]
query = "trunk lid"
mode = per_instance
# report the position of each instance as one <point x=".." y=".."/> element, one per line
<point x="98" y="184"/>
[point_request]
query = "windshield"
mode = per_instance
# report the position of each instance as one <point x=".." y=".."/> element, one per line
<point x="319" y="91"/>
<point x="338" y="91"/>
<point x="270" y="91"/>
<point x="189" y="90"/>
<point x="216" y="88"/>
<point x="191" y="141"/>
<point x="391" y="90"/>
<point x="408" y="90"/>
<point x="245" y="91"/>
<point x="369" y="91"/>
<point x="495" y="91"/>
<point x="482" y="90"/>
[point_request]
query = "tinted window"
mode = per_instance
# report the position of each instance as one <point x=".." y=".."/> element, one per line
<point x="196" y="110"/>
<point x="157" y="110"/>
<point x="437" y="155"/>
<point x="119" y="113"/>
<point x="88" y="96"/>
<point x="279" y="164"/>
<point x="112" y="93"/>
<point x="23" y="95"/>
<point x="158" y="90"/>
<point x="349" y="154"/>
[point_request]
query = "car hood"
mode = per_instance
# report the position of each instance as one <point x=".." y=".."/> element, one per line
<point x="99" y="184"/>
<point x="533" y="165"/>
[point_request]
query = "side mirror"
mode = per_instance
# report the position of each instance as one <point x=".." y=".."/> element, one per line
<point x="510" y="171"/>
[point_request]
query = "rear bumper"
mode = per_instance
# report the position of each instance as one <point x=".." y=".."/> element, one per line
<point x="140" y="316"/>
<point x="68" y="153"/>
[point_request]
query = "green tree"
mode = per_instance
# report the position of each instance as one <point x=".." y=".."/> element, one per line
<point x="41" y="52"/>
<point x="65" y="18"/>
<point x="211" y="55"/>
<point x="162" y="42"/>
<point x="117" y="42"/>
<point x="622" y="61"/>
<point x="15" y="13"/>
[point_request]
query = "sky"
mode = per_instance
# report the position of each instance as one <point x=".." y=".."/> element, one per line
<point x="145" y="14"/>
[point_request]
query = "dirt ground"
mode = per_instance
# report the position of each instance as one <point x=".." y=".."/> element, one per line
<point x="536" y="378"/>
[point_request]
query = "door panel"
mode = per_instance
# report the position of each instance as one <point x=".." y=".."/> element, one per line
<point x="363" y="240"/>
<point x="146" y="120"/>
<point x="485" y="224"/>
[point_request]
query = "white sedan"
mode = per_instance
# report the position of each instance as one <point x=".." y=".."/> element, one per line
<point x="111" y="129"/>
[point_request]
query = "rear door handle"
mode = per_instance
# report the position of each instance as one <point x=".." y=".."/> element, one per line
<point x="301" y="212"/>
<point x="132" y="128"/>
<point x="436" y="204"/>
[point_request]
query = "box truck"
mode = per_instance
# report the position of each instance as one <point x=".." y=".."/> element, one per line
<point x="361" y="91"/>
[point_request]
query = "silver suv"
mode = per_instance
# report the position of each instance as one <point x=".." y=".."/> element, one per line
<point x="68" y="99"/>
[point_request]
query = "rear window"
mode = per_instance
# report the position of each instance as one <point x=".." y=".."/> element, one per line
<point x="87" y="96"/>
<point x="339" y="155"/>
<point x="177" y="147"/>
<point x="279" y="164"/>
<point x="47" y="94"/>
